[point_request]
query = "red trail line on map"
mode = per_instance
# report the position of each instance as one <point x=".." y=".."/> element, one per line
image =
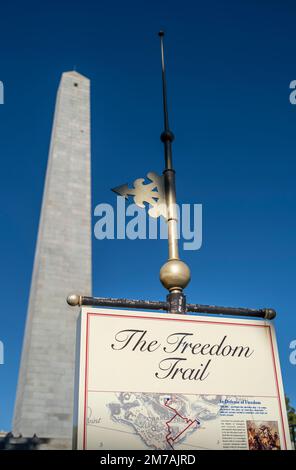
<point x="187" y="420"/>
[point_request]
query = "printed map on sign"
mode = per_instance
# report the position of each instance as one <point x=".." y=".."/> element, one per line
<point x="162" y="420"/>
<point x="158" y="421"/>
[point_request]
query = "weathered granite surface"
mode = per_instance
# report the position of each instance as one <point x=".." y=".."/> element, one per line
<point x="44" y="402"/>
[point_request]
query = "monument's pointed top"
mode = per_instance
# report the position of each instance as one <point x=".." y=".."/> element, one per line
<point x="73" y="73"/>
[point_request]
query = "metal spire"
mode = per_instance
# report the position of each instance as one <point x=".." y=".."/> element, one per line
<point x="167" y="135"/>
<point x="164" y="91"/>
<point x="174" y="274"/>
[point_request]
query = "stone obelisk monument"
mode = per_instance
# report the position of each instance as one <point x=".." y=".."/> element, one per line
<point x="44" y="402"/>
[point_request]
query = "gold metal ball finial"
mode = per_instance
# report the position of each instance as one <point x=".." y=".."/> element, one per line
<point x="175" y="275"/>
<point x="73" y="300"/>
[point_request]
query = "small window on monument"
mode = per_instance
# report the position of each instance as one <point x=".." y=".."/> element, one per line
<point x="75" y="84"/>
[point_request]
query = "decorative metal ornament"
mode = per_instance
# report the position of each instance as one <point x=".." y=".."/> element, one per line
<point x="150" y="193"/>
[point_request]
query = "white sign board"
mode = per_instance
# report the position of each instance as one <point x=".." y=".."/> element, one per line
<point x="161" y="381"/>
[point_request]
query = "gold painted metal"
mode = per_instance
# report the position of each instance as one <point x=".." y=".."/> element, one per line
<point x="74" y="300"/>
<point x="152" y="193"/>
<point x="175" y="275"/>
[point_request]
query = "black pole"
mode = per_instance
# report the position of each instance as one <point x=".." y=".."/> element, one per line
<point x="164" y="90"/>
<point x="265" y="313"/>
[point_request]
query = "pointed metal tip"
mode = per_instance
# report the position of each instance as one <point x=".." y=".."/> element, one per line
<point x="121" y="190"/>
<point x="161" y="33"/>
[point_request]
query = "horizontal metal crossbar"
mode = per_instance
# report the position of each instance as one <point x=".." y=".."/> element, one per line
<point x="266" y="313"/>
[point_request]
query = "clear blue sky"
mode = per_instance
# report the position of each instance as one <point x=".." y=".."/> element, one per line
<point x="229" y="67"/>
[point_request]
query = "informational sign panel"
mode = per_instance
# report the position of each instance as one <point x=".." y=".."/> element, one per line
<point x="160" y="381"/>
